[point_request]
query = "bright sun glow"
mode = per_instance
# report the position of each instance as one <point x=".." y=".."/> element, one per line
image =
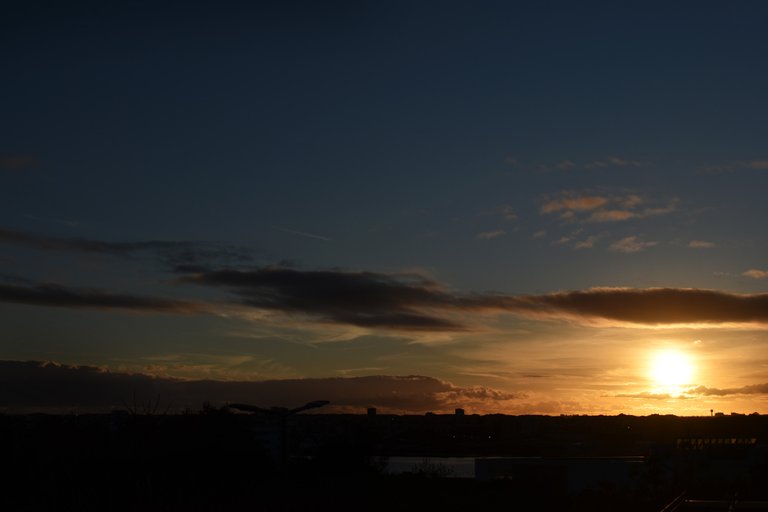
<point x="670" y="370"/>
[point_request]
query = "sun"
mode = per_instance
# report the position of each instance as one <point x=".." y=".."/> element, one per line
<point x="671" y="369"/>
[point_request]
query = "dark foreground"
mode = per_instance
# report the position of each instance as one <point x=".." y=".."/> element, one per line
<point x="220" y="461"/>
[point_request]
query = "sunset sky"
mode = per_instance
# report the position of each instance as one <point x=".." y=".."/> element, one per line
<point x="519" y="207"/>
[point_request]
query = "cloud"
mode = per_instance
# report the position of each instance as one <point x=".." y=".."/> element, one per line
<point x="408" y="302"/>
<point x="611" y="215"/>
<point x="171" y="253"/>
<point x="304" y="234"/>
<point x="507" y="212"/>
<point x="487" y="235"/>
<point x="77" y="298"/>
<point x="572" y="240"/>
<point x="45" y="386"/>
<point x="611" y="161"/>
<point x="700" y="244"/>
<point x="631" y="244"/>
<point x="755" y="273"/>
<point x="590" y="207"/>
<point x="587" y="243"/>
<point x="756" y="164"/>
<point x="651" y="306"/>
<point x="753" y="389"/>
<point x="649" y="395"/>
<point x="735" y="166"/>
<point x="571" y="202"/>
<point x="413" y="302"/>
<point x="365" y="299"/>
<point x="17" y="162"/>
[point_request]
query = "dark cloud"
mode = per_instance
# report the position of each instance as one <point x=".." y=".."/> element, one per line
<point x="365" y="299"/>
<point x="409" y="302"/>
<point x="48" y="386"/>
<point x="653" y="306"/>
<point x="753" y="389"/>
<point x="413" y="302"/>
<point x="78" y="298"/>
<point x="171" y="253"/>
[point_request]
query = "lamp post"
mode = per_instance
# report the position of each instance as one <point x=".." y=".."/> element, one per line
<point x="282" y="414"/>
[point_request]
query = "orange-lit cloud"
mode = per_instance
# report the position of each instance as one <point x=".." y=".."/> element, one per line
<point x="611" y="215"/>
<point x="755" y="273"/>
<point x="573" y="203"/>
<point x="700" y="244"/>
<point x="631" y="244"/>
<point x="590" y="207"/>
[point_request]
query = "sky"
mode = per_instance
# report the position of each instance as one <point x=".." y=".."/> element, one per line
<point x="510" y="207"/>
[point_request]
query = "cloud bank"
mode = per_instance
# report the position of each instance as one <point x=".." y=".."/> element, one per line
<point x="45" y="386"/>
<point x="406" y="302"/>
<point x="413" y="302"/>
<point x="753" y="389"/>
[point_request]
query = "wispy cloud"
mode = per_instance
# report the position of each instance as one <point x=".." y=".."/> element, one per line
<point x="573" y="202"/>
<point x="79" y="298"/>
<point x="613" y="161"/>
<point x="562" y="165"/>
<point x="507" y="212"/>
<point x="759" y="164"/>
<point x="650" y="395"/>
<point x="700" y="244"/>
<point x="573" y="240"/>
<point x="755" y="273"/>
<point x="567" y="164"/>
<point x="631" y="244"/>
<point x="304" y="234"/>
<point x="591" y="207"/>
<point x="487" y="235"/>
<point x="171" y="253"/>
<point x="587" y="243"/>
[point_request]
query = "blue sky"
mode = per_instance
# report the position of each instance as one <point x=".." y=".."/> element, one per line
<point x="515" y="149"/>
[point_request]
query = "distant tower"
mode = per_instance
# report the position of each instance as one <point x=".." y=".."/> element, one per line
<point x="711" y="412"/>
<point x="459" y="412"/>
<point x="371" y="411"/>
